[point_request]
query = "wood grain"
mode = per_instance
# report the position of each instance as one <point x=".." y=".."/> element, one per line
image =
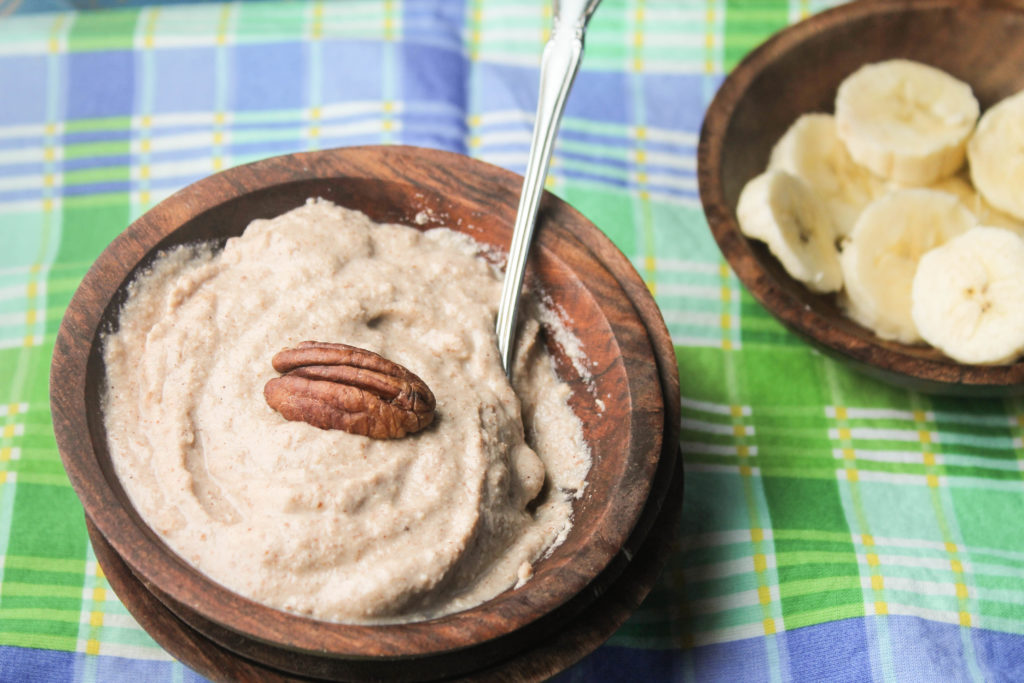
<point x="798" y="71"/>
<point x="605" y="302"/>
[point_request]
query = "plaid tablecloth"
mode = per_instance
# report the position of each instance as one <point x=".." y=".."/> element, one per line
<point x="834" y="528"/>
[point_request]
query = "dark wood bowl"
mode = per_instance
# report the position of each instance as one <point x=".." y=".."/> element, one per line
<point x="797" y="71"/>
<point x="633" y="436"/>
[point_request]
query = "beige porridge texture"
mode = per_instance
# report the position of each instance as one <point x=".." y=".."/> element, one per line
<point x="321" y="522"/>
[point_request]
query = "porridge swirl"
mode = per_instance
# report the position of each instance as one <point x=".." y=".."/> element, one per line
<point x="321" y="522"/>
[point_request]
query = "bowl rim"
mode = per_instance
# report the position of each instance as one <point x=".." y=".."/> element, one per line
<point x="892" y="362"/>
<point x="138" y="547"/>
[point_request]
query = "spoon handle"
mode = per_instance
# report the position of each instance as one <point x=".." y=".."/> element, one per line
<point x="558" y="66"/>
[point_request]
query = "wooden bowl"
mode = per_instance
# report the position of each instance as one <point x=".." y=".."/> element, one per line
<point x="633" y="436"/>
<point x="798" y="71"/>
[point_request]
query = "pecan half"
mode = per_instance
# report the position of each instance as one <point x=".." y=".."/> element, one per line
<point x="337" y="386"/>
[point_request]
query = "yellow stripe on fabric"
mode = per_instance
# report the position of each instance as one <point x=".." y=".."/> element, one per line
<point x="95" y="596"/>
<point x="32" y="294"/>
<point x="945" y="524"/>
<point x="647" y="230"/>
<point x="389" y="22"/>
<point x="150" y="27"/>
<point x="727" y="321"/>
<point x="709" y="41"/>
<point x="762" y="546"/>
<point x="222" y="32"/>
<point x="56" y="43"/>
<point x="16" y="408"/>
<point x="636" y="40"/>
<point x="860" y="531"/>
<point x="476" y="16"/>
<point x="317" y="28"/>
<point x="223" y="23"/>
<point x="314" y="124"/>
<point x="844" y="435"/>
<point x="314" y="75"/>
<point x="741" y="435"/>
<point x="146" y="120"/>
<point x="639" y="177"/>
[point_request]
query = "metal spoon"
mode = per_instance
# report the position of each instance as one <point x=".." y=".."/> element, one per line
<point x="558" y="66"/>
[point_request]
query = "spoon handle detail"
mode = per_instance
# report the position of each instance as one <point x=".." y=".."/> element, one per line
<point x="559" y="64"/>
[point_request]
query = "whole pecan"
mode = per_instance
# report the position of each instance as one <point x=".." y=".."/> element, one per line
<point x="337" y="386"/>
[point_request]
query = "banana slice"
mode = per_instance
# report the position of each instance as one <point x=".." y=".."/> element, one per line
<point x="986" y="214"/>
<point x="906" y="121"/>
<point x="812" y="151"/>
<point x="880" y="256"/>
<point x="781" y="211"/>
<point x="967" y="296"/>
<point x="996" y="155"/>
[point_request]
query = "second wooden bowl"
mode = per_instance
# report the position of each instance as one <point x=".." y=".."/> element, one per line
<point x="629" y="406"/>
<point x="798" y="71"/>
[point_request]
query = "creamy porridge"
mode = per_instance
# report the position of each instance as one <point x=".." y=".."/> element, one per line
<point x="323" y="522"/>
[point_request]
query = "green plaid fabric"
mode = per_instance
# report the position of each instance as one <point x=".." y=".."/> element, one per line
<point x="834" y="527"/>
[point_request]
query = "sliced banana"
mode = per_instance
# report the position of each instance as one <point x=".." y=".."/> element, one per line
<point x="811" y="150"/>
<point x="967" y="296"/>
<point x="960" y="185"/>
<point x="880" y="256"/>
<point x="996" y="156"/>
<point x="781" y="211"/>
<point x="906" y="121"/>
